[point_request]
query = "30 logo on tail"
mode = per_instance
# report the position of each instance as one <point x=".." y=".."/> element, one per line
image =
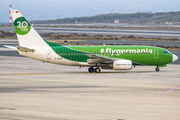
<point x="22" y="26"/>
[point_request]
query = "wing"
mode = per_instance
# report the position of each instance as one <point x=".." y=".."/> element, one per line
<point x="99" y="59"/>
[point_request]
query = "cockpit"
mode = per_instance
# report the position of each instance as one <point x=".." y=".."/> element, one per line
<point x="166" y="52"/>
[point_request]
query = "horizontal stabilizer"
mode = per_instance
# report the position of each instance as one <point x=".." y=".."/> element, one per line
<point x="11" y="47"/>
<point x="25" y="49"/>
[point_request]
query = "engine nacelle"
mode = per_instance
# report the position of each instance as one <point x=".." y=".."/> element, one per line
<point x="122" y="65"/>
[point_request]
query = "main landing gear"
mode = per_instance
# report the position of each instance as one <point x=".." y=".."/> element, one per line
<point x="157" y="69"/>
<point x="96" y="70"/>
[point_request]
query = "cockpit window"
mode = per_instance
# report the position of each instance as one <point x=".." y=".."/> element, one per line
<point x="166" y="52"/>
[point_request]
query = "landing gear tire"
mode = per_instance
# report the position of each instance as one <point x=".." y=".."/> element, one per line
<point x="91" y="69"/>
<point x="97" y="70"/>
<point x="157" y="69"/>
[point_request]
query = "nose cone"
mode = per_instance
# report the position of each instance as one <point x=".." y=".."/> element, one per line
<point x="174" y="58"/>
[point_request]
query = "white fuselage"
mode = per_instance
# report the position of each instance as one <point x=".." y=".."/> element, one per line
<point x="46" y="54"/>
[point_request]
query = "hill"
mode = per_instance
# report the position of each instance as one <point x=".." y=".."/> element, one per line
<point x="142" y="18"/>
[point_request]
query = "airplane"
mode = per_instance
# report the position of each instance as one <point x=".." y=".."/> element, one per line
<point x="32" y="45"/>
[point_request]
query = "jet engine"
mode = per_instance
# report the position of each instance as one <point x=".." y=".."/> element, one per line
<point x="122" y="65"/>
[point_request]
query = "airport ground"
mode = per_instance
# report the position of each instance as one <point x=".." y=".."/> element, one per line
<point x="32" y="90"/>
<point x="97" y="31"/>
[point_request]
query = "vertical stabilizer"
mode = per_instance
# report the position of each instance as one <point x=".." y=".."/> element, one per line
<point x="27" y="35"/>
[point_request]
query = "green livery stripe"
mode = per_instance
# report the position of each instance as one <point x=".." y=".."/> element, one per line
<point x="139" y="55"/>
<point x="68" y="53"/>
<point x="52" y="44"/>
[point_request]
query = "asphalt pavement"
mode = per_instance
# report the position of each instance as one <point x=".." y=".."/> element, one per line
<point x="33" y="90"/>
<point x="116" y="32"/>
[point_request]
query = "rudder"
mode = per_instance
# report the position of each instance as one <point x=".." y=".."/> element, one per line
<point x="26" y="34"/>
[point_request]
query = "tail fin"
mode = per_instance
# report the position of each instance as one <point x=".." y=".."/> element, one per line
<point x="27" y="35"/>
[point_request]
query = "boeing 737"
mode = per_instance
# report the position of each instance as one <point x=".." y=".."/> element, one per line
<point x="32" y="45"/>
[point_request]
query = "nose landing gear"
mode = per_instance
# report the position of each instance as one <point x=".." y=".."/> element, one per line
<point x="157" y="69"/>
<point x="96" y="70"/>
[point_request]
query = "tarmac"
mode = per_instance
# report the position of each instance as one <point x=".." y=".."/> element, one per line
<point x="116" y="32"/>
<point x="33" y="90"/>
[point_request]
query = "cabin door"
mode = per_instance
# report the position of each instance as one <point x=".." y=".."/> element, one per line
<point x="156" y="54"/>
